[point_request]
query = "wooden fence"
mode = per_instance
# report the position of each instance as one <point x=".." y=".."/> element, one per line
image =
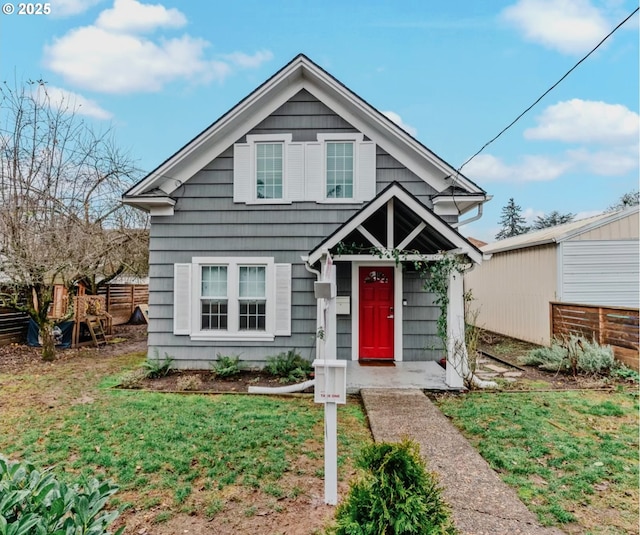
<point x="122" y="299"/>
<point x="13" y="326"/>
<point x="617" y="327"/>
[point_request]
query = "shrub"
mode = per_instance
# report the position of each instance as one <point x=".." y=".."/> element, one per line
<point x="289" y="366"/>
<point x="189" y="382"/>
<point x="226" y="366"/>
<point x="34" y="502"/>
<point x="574" y="354"/>
<point x="394" y="495"/>
<point x="156" y="368"/>
<point x="132" y="378"/>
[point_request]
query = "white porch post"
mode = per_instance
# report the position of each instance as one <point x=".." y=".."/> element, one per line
<point x="457" y="358"/>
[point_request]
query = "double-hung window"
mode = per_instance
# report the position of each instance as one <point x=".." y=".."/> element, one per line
<point x="213" y="298"/>
<point x="252" y="297"/>
<point x="339" y="169"/>
<point x="232" y="298"/>
<point x="269" y="170"/>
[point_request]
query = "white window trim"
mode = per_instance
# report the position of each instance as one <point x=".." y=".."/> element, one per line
<point x="252" y="141"/>
<point x="354" y="137"/>
<point x="233" y="333"/>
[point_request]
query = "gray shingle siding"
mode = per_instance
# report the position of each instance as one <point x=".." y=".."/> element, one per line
<point x="207" y="222"/>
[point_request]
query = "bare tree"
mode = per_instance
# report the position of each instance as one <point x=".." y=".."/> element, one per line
<point x="61" y="219"/>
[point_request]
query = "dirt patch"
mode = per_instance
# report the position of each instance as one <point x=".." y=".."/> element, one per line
<point x="206" y="381"/>
<point x="17" y="358"/>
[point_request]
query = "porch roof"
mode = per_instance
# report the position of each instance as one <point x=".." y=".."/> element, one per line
<point x="396" y="219"/>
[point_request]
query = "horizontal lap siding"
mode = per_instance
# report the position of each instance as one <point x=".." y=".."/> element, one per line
<point x="207" y="222"/>
<point x="420" y="339"/>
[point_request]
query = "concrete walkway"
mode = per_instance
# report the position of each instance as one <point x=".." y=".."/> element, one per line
<point x="482" y="504"/>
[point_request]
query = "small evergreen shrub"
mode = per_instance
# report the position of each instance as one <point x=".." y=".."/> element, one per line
<point x="289" y="366"/>
<point x="132" y="378"/>
<point x="226" y="366"/>
<point x="574" y="354"/>
<point x="394" y="495"/>
<point x="189" y="383"/>
<point x="34" y="502"/>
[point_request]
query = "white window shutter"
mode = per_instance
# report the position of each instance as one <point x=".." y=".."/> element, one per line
<point x="366" y="179"/>
<point x="295" y="172"/>
<point x="314" y="167"/>
<point x="283" y="299"/>
<point x="242" y="179"/>
<point x="181" y="298"/>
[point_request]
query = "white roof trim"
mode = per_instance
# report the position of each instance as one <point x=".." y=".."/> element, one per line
<point x="300" y="73"/>
<point x="421" y="211"/>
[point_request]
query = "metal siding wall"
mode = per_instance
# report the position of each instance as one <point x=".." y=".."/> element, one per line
<point x="512" y="291"/>
<point x="627" y="228"/>
<point x="601" y="273"/>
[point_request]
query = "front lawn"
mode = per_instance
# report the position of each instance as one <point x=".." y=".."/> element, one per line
<point x="222" y="460"/>
<point x="572" y="456"/>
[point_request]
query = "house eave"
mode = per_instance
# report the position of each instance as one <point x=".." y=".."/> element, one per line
<point x="157" y="205"/>
<point x="300" y="73"/>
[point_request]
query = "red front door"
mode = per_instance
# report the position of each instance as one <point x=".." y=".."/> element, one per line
<point x="376" y="312"/>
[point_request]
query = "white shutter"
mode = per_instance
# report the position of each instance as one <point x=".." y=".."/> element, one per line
<point x="242" y="179"/>
<point x="181" y="298"/>
<point x="366" y="172"/>
<point x="294" y="178"/>
<point x="314" y="170"/>
<point x="283" y="299"/>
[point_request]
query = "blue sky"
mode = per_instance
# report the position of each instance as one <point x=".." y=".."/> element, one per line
<point x="453" y="73"/>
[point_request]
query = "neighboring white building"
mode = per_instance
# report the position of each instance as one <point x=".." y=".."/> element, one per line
<point x="593" y="261"/>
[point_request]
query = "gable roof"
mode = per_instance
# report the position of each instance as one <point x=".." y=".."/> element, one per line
<point x="397" y="191"/>
<point x="300" y="73"/>
<point x="558" y="233"/>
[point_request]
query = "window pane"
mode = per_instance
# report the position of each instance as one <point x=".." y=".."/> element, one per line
<point x="252" y="282"/>
<point x="214" y="281"/>
<point x="269" y="170"/>
<point x="214" y="314"/>
<point x="253" y="315"/>
<point x="340" y="170"/>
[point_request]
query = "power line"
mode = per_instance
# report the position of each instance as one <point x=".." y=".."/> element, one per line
<point x="546" y="92"/>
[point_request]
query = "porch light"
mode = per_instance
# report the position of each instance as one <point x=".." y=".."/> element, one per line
<point x="404" y="302"/>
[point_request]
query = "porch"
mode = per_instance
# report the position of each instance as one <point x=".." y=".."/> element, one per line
<point x="422" y="375"/>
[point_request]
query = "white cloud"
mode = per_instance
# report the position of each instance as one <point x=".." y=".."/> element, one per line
<point x="110" y="56"/>
<point x="613" y="162"/>
<point x="488" y="168"/>
<point x="569" y="26"/>
<point x="132" y="16"/>
<point x="531" y="214"/>
<point x="398" y="120"/>
<point x="68" y="8"/>
<point x="57" y="97"/>
<point x="587" y="121"/>
<point x="249" y="62"/>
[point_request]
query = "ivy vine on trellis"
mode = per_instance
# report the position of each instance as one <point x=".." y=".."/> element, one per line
<point x="435" y="274"/>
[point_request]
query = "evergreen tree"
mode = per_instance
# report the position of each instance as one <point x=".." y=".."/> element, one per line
<point x="631" y="198"/>
<point x="552" y="219"/>
<point x="511" y="221"/>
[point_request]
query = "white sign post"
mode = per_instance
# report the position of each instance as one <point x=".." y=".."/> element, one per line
<point x="331" y="378"/>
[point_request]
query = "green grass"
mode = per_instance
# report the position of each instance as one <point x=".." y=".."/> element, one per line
<point x="165" y="448"/>
<point x="570" y="455"/>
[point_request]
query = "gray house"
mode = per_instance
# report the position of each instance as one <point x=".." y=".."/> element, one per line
<point x="299" y="182"/>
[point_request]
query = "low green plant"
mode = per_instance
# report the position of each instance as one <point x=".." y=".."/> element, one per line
<point x="226" y="366"/>
<point x="289" y="366"/>
<point x="394" y="495"/>
<point x="35" y="502"/>
<point x="157" y="367"/>
<point x="624" y="373"/>
<point x="189" y="383"/>
<point x="574" y="354"/>
<point x="132" y="378"/>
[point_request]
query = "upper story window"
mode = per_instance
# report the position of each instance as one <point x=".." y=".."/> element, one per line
<point x="336" y="168"/>
<point x="269" y="170"/>
<point x="339" y="170"/>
